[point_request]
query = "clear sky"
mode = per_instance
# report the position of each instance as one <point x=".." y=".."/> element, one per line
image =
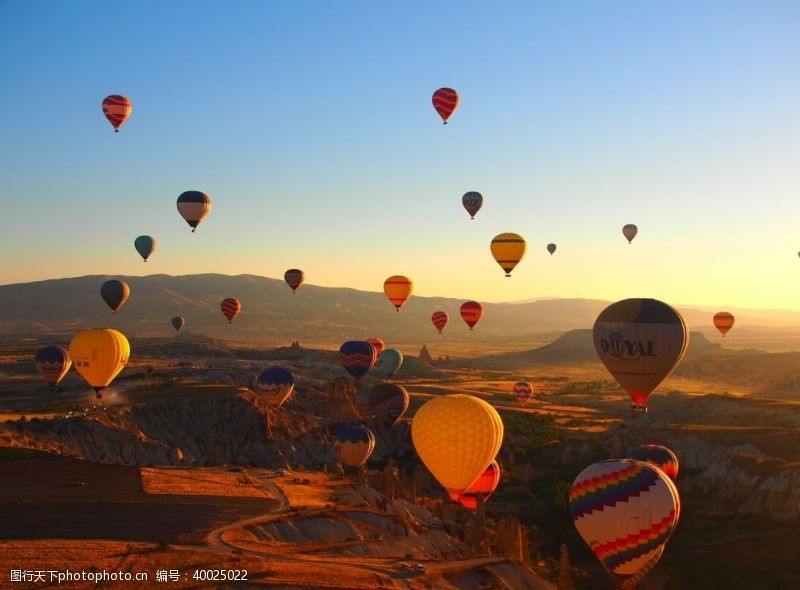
<point x="310" y="125"/>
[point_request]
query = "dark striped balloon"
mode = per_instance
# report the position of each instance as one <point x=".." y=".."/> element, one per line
<point x="658" y="456"/>
<point x="117" y="109"/>
<point x="354" y="444"/>
<point x="294" y="277"/>
<point x="115" y="293"/>
<point x="53" y="363"/>
<point x="471" y="313"/>
<point x="445" y="101"/>
<point x="193" y="207"/>
<point x="472" y="201"/>
<point x="440" y="319"/>
<point x="357" y="357"/>
<point x="389" y="402"/>
<point x="230" y="308"/>
<point x="276" y="385"/>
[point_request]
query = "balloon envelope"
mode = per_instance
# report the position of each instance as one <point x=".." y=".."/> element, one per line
<point x="440" y="319"/>
<point x="276" y="384"/>
<point x="389" y="362"/>
<point x="230" y="308"/>
<point x="723" y="321"/>
<point x="378" y="344"/>
<point x="115" y="293"/>
<point x="145" y="245"/>
<point x="389" y="402"/>
<point x="193" y="206"/>
<point x="640" y="341"/>
<point x="354" y="444"/>
<point x="472" y="201"/>
<point x="445" y="101"/>
<point x="457" y="436"/>
<point x="658" y="456"/>
<point x="523" y="391"/>
<point x="551" y="248"/>
<point x="117" y="109"/>
<point x="294" y="277"/>
<point x="357" y="357"/>
<point x="483" y="487"/>
<point x="53" y="363"/>
<point x="630" y="231"/>
<point x="471" y="313"/>
<point x="625" y="510"/>
<point x="99" y="356"/>
<point x="508" y="249"/>
<point x="398" y="289"/>
<point x="178" y="322"/>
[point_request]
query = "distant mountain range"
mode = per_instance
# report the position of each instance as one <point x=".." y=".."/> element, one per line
<point x="272" y="315"/>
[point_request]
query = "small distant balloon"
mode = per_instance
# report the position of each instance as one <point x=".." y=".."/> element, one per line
<point x="115" y="293"/>
<point x="523" y="391"/>
<point x="471" y="313"/>
<point x="630" y="231"/>
<point x="398" y="289"/>
<point x="294" y="277"/>
<point x="53" y="363"/>
<point x="193" y="206"/>
<point x="178" y="323"/>
<point x="445" y="101"/>
<point x="117" y="109"/>
<point x="276" y="384"/>
<point x="145" y="245"/>
<point x="508" y="249"/>
<point x="472" y="201"/>
<point x="230" y="308"/>
<point x="388" y="402"/>
<point x="389" y="362"/>
<point x="354" y="444"/>
<point x="723" y="321"/>
<point x="551" y="248"/>
<point x="357" y="357"/>
<point x="440" y="319"/>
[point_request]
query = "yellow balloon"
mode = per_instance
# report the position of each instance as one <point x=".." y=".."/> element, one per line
<point x="508" y="250"/>
<point x="398" y="289"/>
<point x="457" y="436"/>
<point x="99" y="355"/>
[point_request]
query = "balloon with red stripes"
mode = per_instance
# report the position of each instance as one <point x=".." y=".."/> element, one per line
<point x="230" y="308"/>
<point x="445" y="101"/>
<point x="117" y="109"/>
<point x="440" y="319"/>
<point x="471" y="313"/>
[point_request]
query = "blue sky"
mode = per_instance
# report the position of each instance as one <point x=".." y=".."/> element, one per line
<point x="311" y="127"/>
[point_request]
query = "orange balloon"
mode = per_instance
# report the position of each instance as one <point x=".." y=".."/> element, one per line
<point x="398" y="289"/>
<point x="723" y="321"/>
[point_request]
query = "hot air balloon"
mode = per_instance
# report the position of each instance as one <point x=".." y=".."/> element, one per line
<point x="230" y="308"/>
<point x="294" y="278"/>
<point x="445" y="101"/>
<point x="362" y="404"/>
<point x="53" y="363"/>
<point x="630" y="231"/>
<point x="471" y="312"/>
<point x="440" y="319"/>
<point x="357" y="357"/>
<point x="355" y="444"/>
<point x="378" y="344"/>
<point x="145" y="245"/>
<point x="398" y="289"/>
<point x="483" y="487"/>
<point x="551" y="248"/>
<point x="117" y="109"/>
<point x="472" y="201"/>
<point x="99" y="356"/>
<point x="115" y="293"/>
<point x="193" y="207"/>
<point x="723" y="321"/>
<point x="457" y="436"/>
<point x="276" y="384"/>
<point x="508" y="249"/>
<point x="178" y="322"/>
<point x="625" y="510"/>
<point x="523" y="391"/>
<point x="389" y="402"/>
<point x="658" y="456"/>
<point x="640" y="341"/>
<point x="389" y="362"/>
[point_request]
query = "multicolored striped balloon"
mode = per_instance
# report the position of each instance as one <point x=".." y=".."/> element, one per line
<point x="378" y="344"/>
<point x="523" y="391"/>
<point x="294" y="277"/>
<point x="440" y="319"/>
<point x="389" y="402"/>
<point x="145" y="245"/>
<point x="354" y="444"/>
<point x="115" y="293"/>
<point x="230" y="308"/>
<point x="357" y="357"/>
<point x="276" y="384"/>
<point x="551" y="248"/>
<point x="472" y="201"/>
<point x="483" y="487"/>
<point x="508" y="249"/>
<point x="398" y="289"/>
<point x="117" y="109"/>
<point x="723" y="321"/>
<point x="658" y="456"/>
<point x="53" y="363"/>
<point x="471" y="313"/>
<point x="445" y="101"/>
<point x="193" y="207"/>
<point x="625" y="510"/>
